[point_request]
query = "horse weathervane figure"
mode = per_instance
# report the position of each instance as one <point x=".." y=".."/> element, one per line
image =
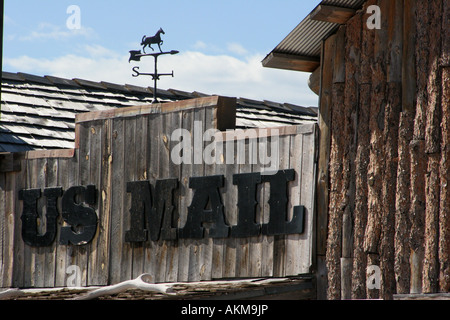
<point x="136" y="55"/>
<point x="148" y="41"/>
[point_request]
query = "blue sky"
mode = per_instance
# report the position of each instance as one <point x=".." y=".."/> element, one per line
<point x="221" y="43"/>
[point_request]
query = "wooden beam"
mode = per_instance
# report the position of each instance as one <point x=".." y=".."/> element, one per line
<point x="291" y="62"/>
<point x="9" y="162"/>
<point x="314" y="81"/>
<point x="149" y="109"/>
<point x="423" y="296"/>
<point x="332" y="14"/>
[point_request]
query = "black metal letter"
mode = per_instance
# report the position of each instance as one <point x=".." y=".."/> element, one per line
<point x="83" y="220"/>
<point x="160" y="221"/>
<point x="141" y="204"/>
<point x="206" y="191"/>
<point x="247" y="226"/>
<point x="30" y="215"/>
<point x="278" y="223"/>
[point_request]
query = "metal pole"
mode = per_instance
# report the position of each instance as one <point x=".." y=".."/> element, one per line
<point x="155" y="78"/>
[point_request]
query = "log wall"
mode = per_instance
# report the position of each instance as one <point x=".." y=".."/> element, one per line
<point x="385" y="123"/>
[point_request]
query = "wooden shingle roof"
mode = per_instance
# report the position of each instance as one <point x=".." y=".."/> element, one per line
<point x="39" y="112"/>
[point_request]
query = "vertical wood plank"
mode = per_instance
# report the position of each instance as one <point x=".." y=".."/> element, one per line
<point x="297" y="191"/>
<point x="198" y="253"/>
<point x="279" y="248"/>
<point x="268" y="242"/>
<point x="74" y="180"/>
<point x="163" y="151"/>
<point x="218" y="168"/>
<point x="129" y="169"/>
<point x="174" y="122"/>
<point x="105" y="197"/>
<point x="64" y="169"/>
<point x="206" y="258"/>
<point x="81" y="253"/>
<point x="255" y="245"/>
<point x="38" y="180"/>
<point x="99" y="169"/>
<point x="12" y="259"/>
<point x="141" y="132"/>
<point x="20" y="180"/>
<point x="151" y="247"/>
<point x="185" y="198"/>
<point x="242" y="244"/>
<point x="230" y="245"/>
<point x="118" y="211"/>
<point x="50" y="252"/>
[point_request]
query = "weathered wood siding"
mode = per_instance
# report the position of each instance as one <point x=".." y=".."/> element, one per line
<point x="385" y="124"/>
<point x="133" y="144"/>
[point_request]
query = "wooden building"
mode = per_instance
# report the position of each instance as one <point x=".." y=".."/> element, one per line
<point x="358" y="207"/>
<point x="99" y="187"/>
<point x="381" y="69"/>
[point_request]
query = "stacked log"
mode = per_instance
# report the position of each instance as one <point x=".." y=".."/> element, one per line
<point x="390" y="160"/>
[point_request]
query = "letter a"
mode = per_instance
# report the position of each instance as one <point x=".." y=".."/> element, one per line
<point x="206" y="191"/>
<point x="74" y="21"/>
<point x="374" y="21"/>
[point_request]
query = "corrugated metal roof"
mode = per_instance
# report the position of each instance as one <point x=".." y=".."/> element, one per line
<point x="39" y="112"/>
<point x="305" y="40"/>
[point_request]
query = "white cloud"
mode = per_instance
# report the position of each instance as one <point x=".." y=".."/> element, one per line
<point x="199" y="45"/>
<point x="194" y="71"/>
<point x="49" y="31"/>
<point x="237" y="48"/>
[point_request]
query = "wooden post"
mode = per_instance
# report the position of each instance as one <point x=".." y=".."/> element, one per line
<point x="376" y="124"/>
<point x="406" y="123"/>
<point x="350" y="109"/>
<point x="359" y="274"/>
<point x="325" y="102"/>
<point x="433" y="149"/>
<point x="390" y="136"/>
<point x="444" y="214"/>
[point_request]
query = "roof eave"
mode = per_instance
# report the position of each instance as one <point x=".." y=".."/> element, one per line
<point x="291" y="62"/>
<point x="300" y="49"/>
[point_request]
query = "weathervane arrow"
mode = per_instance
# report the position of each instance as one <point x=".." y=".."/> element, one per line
<point x="135" y="55"/>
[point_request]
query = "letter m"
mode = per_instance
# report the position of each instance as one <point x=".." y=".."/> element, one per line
<point x="151" y="211"/>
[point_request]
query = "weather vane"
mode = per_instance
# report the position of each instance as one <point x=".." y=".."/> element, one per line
<point x="136" y="55"/>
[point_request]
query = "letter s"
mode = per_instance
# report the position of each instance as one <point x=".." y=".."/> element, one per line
<point x="83" y="220"/>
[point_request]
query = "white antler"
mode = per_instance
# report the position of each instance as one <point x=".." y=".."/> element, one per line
<point x="138" y="283"/>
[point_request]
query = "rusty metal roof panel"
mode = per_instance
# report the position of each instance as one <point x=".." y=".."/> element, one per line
<point x="305" y="39"/>
<point x="352" y="4"/>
